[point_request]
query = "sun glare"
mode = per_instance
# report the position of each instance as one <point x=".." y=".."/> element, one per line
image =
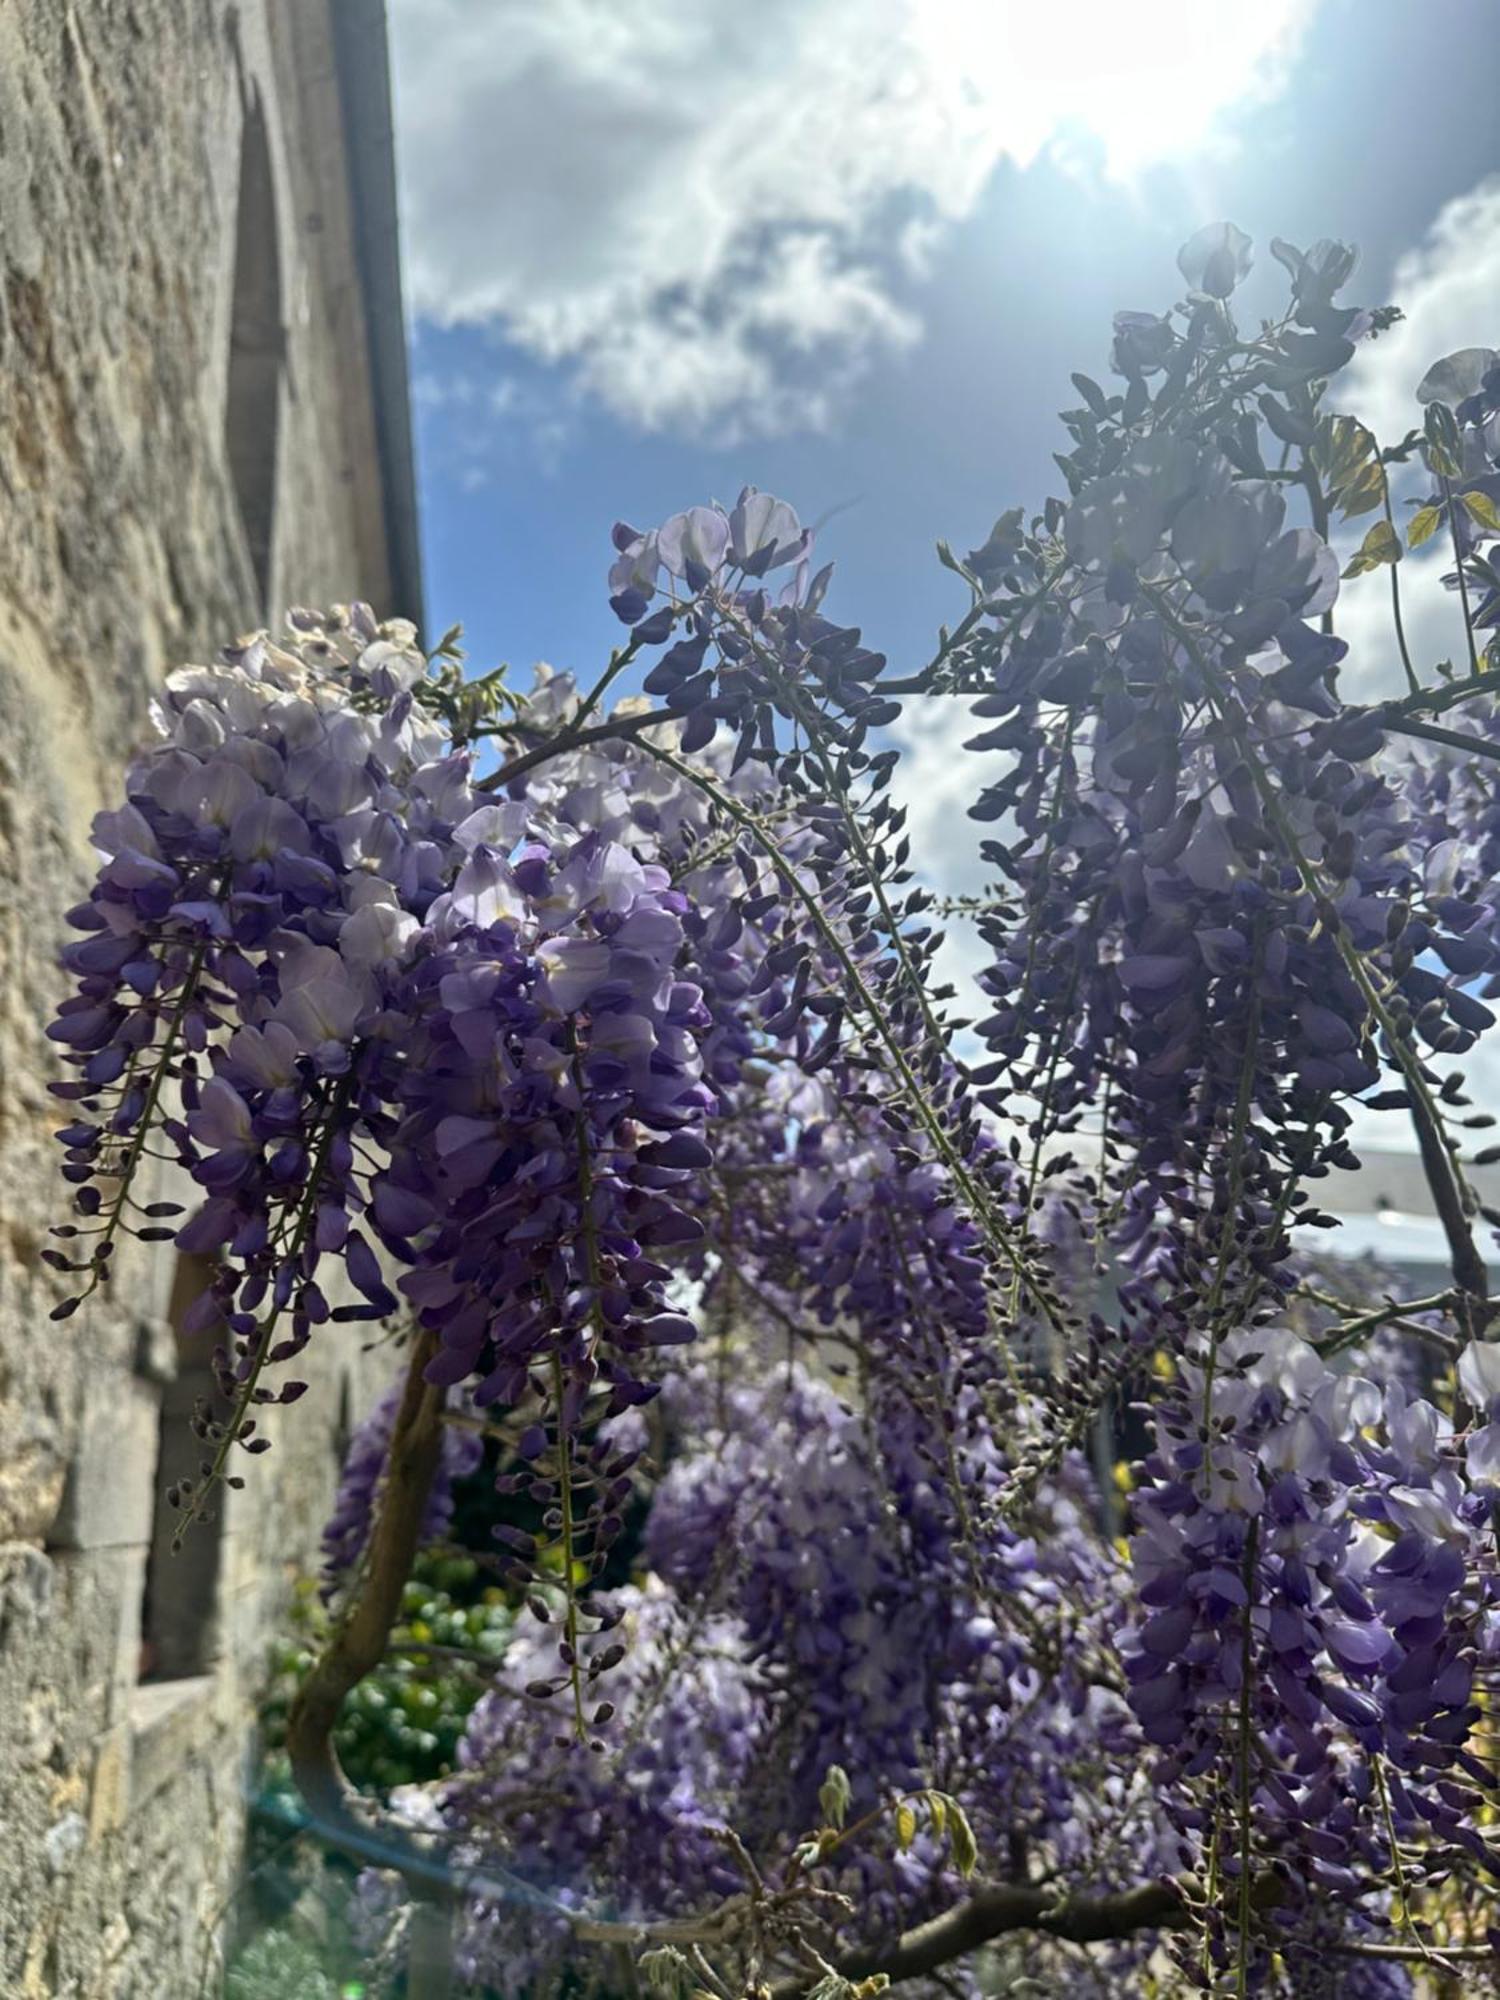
<point x="1145" y="79"/>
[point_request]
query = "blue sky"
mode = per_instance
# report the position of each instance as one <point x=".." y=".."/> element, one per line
<point x="577" y="266"/>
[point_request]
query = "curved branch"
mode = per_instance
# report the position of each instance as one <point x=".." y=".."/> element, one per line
<point x="1444" y="1177"/>
<point x="1434" y="701"/>
<point x="1432" y="732"/>
<point x="1009" y="1907"/>
<point x="359" y="1640"/>
<point x="618" y="729"/>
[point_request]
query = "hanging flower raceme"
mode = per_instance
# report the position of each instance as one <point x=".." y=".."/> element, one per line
<point x="303" y="951"/>
<point x="744" y="658"/>
<point x="1309" y="1617"/>
<point x="552" y="1112"/>
<point x="637" y="1834"/>
<point x="807" y="1607"/>
<point x="264" y="878"/>
<point x="1224" y="914"/>
<point x="860" y="1232"/>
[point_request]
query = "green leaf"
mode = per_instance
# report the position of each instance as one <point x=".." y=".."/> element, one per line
<point x="834" y="1795"/>
<point x="1364" y="491"/>
<point x="1092" y="394"/>
<point x="961" y="1839"/>
<point x="906" y="1826"/>
<point x="1423" y="525"/>
<point x="1381" y="545"/>
<point x="1343" y="448"/>
<point x="1443" y="449"/>
<point x="1483" y="510"/>
<point x="937" y="1812"/>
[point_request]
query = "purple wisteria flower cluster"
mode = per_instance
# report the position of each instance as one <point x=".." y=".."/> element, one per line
<point x="258" y="888"/>
<point x="1223" y="905"/>
<point x="1317" y="1595"/>
<point x="816" y="1341"/>
<point x="464" y="1038"/>
<point x="807" y="1609"/>
<point x="638" y="1834"/>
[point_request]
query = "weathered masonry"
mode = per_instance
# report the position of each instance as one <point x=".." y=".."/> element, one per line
<point x="203" y="419"/>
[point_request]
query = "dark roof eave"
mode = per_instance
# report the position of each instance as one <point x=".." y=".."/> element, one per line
<point x="361" y="53"/>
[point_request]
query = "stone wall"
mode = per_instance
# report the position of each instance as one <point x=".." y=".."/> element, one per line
<point x="187" y="445"/>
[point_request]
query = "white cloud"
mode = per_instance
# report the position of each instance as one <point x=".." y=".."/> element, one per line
<point x="683" y="204"/>
<point x="937" y="781"/>
<point x="1430" y="617"/>
<point x="1449" y="290"/>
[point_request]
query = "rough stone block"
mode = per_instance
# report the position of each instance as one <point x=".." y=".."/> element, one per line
<point x="110" y="1496"/>
<point x="170" y="1723"/>
<point x="109" y="1791"/>
<point x="32" y="1477"/>
<point x="27" y="1579"/>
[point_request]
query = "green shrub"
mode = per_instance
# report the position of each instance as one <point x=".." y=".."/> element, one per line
<point x="402" y="1724"/>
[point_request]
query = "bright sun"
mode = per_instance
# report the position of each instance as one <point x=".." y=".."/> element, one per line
<point x="1145" y="78"/>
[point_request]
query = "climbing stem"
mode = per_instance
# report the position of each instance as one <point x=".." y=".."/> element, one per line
<point x="978" y="1198"/>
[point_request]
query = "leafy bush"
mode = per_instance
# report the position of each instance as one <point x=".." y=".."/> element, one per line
<point x="277" y="1966"/>
<point x="403" y="1724"/>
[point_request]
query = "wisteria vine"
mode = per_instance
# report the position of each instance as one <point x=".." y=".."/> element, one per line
<point x="948" y="1504"/>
